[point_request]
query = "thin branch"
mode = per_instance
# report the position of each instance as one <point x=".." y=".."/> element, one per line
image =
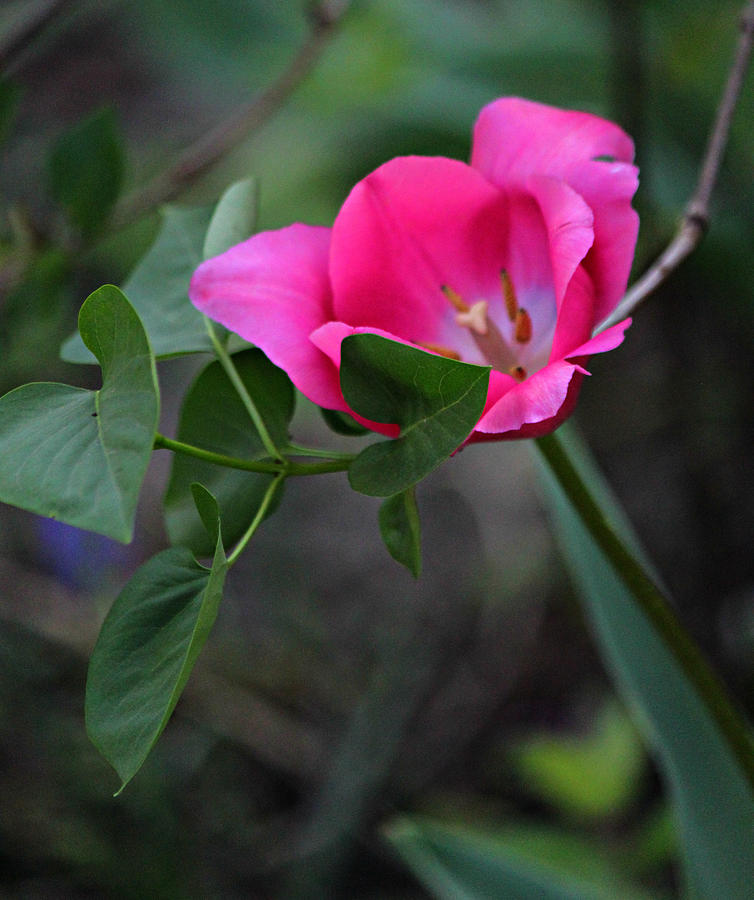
<point x="19" y="37"/>
<point x="696" y="216"/>
<point x="325" y="16"/>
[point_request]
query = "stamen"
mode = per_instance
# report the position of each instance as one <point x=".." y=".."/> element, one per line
<point x="522" y="331"/>
<point x="475" y="317"/>
<point x="518" y="372"/>
<point x="454" y="298"/>
<point x="509" y="294"/>
<point x="447" y="352"/>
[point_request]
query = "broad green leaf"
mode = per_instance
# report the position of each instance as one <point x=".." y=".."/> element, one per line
<point x="77" y="455"/>
<point x="86" y="170"/>
<point x="435" y="401"/>
<point x="712" y="796"/>
<point x="234" y="218"/>
<point x="158" y="288"/>
<point x="145" y="652"/>
<point x="401" y="530"/>
<point x="456" y="863"/>
<point x="214" y="418"/>
<point x="590" y="776"/>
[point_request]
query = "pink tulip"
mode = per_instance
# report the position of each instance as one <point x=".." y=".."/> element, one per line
<point x="511" y="261"/>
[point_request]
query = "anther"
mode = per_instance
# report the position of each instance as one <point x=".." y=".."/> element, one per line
<point x="475" y="317"/>
<point x="509" y="294"/>
<point x="518" y="372"/>
<point x="454" y="298"/>
<point x="447" y="352"/>
<point x="522" y="329"/>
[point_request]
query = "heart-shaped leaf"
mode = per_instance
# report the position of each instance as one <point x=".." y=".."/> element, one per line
<point x="435" y="401"/>
<point x="146" y="650"/>
<point x="77" y="455"/>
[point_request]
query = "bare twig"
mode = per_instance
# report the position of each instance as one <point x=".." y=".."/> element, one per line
<point x="325" y="16"/>
<point x="30" y="25"/>
<point x="696" y="216"/>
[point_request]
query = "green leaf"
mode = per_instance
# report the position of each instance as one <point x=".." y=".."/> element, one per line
<point x="594" y="776"/>
<point x="435" y="401"/>
<point x="401" y="530"/>
<point x="145" y="652"/>
<point x="234" y="218"/>
<point x="342" y="423"/>
<point x="158" y="288"/>
<point x="208" y="509"/>
<point x="456" y="863"/>
<point x="86" y="170"/>
<point x="712" y="796"/>
<point x="77" y="455"/>
<point x="214" y="418"/>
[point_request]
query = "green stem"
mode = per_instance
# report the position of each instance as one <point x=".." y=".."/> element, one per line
<point x="652" y="602"/>
<point x="257" y="520"/>
<point x="230" y="370"/>
<point x="296" y="450"/>
<point x="270" y="467"/>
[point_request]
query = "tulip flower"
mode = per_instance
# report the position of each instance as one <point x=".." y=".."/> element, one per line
<point x="511" y="261"/>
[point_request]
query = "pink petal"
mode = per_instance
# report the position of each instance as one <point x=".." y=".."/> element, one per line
<point x="273" y="290"/>
<point x="569" y="227"/>
<point x="608" y="188"/>
<point x="515" y="138"/>
<point x="576" y="319"/>
<point x="412" y="226"/>
<point x="606" y="340"/>
<point x="539" y="398"/>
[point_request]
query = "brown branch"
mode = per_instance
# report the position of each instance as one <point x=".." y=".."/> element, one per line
<point x="325" y="16"/>
<point x="17" y="40"/>
<point x="696" y="216"/>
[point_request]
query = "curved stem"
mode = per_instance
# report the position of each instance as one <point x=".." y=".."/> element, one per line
<point x="230" y="370"/>
<point x="652" y="602"/>
<point x="258" y="518"/>
<point x="296" y="450"/>
<point x="268" y="467"/>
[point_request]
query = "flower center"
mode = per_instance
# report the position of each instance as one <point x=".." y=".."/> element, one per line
<point x="487" y="336"/>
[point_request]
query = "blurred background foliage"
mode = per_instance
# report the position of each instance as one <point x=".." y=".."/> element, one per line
<point x="335" y="692"/>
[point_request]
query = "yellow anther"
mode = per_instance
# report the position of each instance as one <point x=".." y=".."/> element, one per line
<point x="454" y="298"/>
<point x="509" y="294"/>
<point x="447" y="352"/>
<point x="475" y="317"/>
<point x="522" y="330"/>
<point x="518" y="372"/>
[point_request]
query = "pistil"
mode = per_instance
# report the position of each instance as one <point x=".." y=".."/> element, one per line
<point x="486" y="334"/>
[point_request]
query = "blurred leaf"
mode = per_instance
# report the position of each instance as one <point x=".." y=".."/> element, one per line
<point x="214" y="418"/>
<point x="10" y="94"/>
<point x="86" y="170"/>
<point x="234" y="218"/>
<point x="594" y="776"/>
<point x="145" y="652"/>
<point x="401" y="530"/>
<point x="712" y="796"/>
<point x="436" y="401"/>
<point x="77" y="455"/>
<point x="208" y="509"/>
<point x="342" y="423"/>
<point x="456" y="863"/>
<point x="158" y="288"/>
